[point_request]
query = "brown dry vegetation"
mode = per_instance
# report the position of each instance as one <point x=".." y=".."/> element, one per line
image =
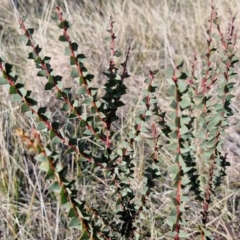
<point x="157" y="31"/>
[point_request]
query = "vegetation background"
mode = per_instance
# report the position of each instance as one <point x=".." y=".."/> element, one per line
<point x="158" y="31"/>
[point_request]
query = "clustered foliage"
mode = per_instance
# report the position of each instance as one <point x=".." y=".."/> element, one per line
<point x="195" y="125"/>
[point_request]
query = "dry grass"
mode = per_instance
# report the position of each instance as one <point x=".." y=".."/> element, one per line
<point x="157" y="31"/>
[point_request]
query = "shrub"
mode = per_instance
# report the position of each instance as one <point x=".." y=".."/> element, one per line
<point x="192" y="132"/>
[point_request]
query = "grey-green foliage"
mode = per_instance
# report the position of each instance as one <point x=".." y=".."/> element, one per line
<point x="197" y="121"/>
